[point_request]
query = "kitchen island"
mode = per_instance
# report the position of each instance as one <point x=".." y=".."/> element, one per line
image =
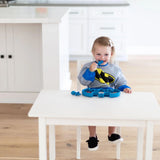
<point x="33" y="52"/>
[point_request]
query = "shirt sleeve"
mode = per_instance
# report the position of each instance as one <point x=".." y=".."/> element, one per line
<point x="121" y="82"/>
<point x="85" y="76"/>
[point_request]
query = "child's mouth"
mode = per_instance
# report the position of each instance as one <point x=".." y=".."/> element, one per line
<point x="100" y="62"/>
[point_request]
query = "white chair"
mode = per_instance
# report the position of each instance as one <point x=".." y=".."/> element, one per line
<point x="79" y="64"/>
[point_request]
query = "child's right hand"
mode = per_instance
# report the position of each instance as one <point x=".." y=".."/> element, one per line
<point x="127" y="90"/>
<point x="93" y="66"/>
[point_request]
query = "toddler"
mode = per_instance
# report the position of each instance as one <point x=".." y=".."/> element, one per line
<point x="104" y="75"/>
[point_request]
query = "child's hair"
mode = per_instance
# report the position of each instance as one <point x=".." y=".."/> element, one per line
<point x="105" y="41"/>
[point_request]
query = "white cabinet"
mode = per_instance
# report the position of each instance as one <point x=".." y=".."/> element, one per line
<point x="78" y="37"/>
<point x="20" y="58"/>
<point x="3" y="60"/>
<point x="78" y="32"/>
<point x="33" y="52"/>
<point x="88" y="23"/>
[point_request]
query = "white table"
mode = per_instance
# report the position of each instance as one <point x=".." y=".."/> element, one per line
<point x="139" y="109"/>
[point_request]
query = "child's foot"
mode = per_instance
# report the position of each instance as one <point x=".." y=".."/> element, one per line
<point x="115" y="138"/>
<point x="92" y="143"/>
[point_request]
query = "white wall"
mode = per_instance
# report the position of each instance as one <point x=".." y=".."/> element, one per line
<point x="144" y="27"/>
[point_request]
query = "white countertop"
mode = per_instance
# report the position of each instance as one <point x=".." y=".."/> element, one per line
<point x="89" y="1"/>
<point x="32" y="14"/>
<point x="71" y="2"/>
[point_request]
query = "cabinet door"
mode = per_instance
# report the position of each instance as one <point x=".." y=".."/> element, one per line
<point x="10" y="56"/>
<point x="78" y="37"/>
<point x="3" y="59"/>
<point x="24" y="66"/>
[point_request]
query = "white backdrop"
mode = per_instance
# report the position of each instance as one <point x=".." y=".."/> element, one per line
<point x="144" y="27"/>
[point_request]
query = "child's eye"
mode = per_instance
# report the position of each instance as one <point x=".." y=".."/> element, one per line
<point x="106" y="54"/>
<point x="98" y="54"/>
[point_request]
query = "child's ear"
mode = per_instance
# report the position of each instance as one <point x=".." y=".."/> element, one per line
<point x="93" y="53"/>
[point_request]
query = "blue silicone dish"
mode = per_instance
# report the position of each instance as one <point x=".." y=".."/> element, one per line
<point x="101" y="92"/>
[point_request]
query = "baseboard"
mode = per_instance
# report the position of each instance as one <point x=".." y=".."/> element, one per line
<point x="18" y="97"/>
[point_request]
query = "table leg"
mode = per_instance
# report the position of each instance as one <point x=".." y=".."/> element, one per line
<point x="42" y="140"/>
<point x="118" y="146"/>
<point x="140" y="143"/>
<point x="149" y="141"/>
<point x="118" y="151"/>
<point x="52" y="143"/>
<point x="78" y="142"/>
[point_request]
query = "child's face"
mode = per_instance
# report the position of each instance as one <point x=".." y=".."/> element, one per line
<point x="102" y="53"/>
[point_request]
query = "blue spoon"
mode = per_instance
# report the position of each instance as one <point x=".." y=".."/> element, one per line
<point x="100" y="62"/>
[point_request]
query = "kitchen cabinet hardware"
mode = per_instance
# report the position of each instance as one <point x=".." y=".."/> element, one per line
<point x="107" y="12"/>
<point x="2" y="56"/>
<point x="10" y="56"/>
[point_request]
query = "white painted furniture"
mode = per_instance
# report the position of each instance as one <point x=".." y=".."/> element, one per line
<point x="33" y="52"/>
<point x="20" y="58"/>
<point x="88" y="23"/>
<point x="139" y="109"/>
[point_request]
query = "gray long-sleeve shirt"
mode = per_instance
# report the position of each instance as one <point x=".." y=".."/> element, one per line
<point x="108" y="75"/>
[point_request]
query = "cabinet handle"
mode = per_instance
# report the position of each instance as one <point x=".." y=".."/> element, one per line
<point x="2" y="56"/>
<point x="107" y="28"/>
<point x="9" y="56"/>
<point x="107" y="12"/>
<point x="74" y="12"/>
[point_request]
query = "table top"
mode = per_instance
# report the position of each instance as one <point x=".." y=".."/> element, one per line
<point x="61" y="104"/>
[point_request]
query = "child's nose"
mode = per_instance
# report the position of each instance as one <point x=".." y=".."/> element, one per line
<point x="102" y="57"/>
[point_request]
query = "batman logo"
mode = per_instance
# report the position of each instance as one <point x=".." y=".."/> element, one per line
<point x="103" y="77"/>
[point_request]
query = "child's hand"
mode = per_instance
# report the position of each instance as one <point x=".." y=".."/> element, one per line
<point x="93" y="66"/>
<point x="127" y="90"/>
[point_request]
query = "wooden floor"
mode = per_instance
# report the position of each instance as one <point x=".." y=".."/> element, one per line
<point x="19" y="135"/>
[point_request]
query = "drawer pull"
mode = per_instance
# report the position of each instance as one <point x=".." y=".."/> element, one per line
<point x="108" y="13"/>
<point x="107" y="28"/>
<point x="73" y="12"/>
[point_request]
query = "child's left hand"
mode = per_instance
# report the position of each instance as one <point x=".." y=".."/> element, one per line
<point x="127" y="90"/>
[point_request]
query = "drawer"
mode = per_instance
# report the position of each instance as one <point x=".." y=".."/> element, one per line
<point x="106" y="28"/>
<point x="78" y="12"/>
<point x="107" y="12"/>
